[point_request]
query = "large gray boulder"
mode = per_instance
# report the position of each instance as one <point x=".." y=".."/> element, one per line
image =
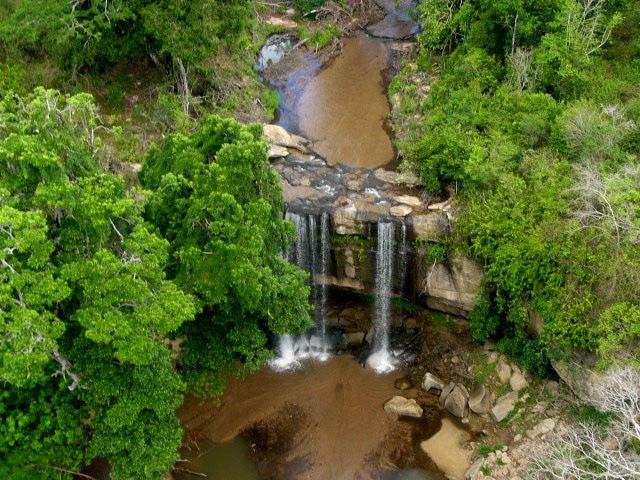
<point x="518" y="382"/>
<point x="481" y="400"/>
<point x="504" y="406"/>
<point x="503" y="370"/>
<point x="431" y="381"/>
<point x="401" y="406"/>
<point x="456" y="401"/>
<point x="446" y="390"/>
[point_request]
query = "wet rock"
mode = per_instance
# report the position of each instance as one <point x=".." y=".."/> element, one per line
<point x="371" y="334"/>
<point x="354" y="339"/>
<point x="316" y="342"/>
<point x="446" y="390"/>
<point x="402" y="383"/>
<point x="400" y="210"/>
<point x="456" y="402"/>
<point x="544" y="427"/>
<point x="403" y="407"/>
<point x="504" y="406"/>
<point x="503" y="370"/>
<point x="276" y="135"/>
<point x="431" y="381"/>
<point x="474" y="469"/>
<point x="518" y="382"/>
<point x="481" y="400"/>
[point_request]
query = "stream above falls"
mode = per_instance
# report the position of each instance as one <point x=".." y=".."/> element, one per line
<point x="339" y="101"/>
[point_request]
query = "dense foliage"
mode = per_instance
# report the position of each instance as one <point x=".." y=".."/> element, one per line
<point x="219" y="203"/>
<point x="531" y="116"/>
<point x="92" y="294"/>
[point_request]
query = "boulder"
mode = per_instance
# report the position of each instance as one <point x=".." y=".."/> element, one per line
<point x="544" y="427"/>
<point x="474" y="469"/>
<point x="481" y="400"/>
<point x="403" y="407"/>
<point x="456" y="402"/>
<point x="503" y="370"/>
<point x="446" y="390"/>
<point x="354" y="339"/>
<point x="284" y="23"/>
<point x="431" y="381"/>
<point x="517" y="381"/>
<point x="504" y="406"/>
<point x="276" y="151"/>
<point x="276" y="135"/>
<point x="400" y="211"/>
<point x="408" y="200"/>
<point x="402" y="383"/>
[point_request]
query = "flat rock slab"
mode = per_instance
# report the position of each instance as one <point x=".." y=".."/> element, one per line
<point x="406" y="407"/>
<point x="504" y="406"/>
<point x="518" y="382"/>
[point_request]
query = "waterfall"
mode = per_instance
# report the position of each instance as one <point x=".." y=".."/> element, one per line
<point x="325" y="257"/>
<point x="311" y="251"/>
<point x="403" y="253"/>
<point x="380" y="360"/>
<point x="299" y="253"/>
<point x="286" y="358"/>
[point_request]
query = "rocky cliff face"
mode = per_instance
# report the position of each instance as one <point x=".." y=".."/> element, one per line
<point x="357" y="201"/>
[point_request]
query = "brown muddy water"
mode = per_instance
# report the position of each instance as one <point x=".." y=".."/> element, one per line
<point x="323" y="421"/>
<point x="344" y="109"/>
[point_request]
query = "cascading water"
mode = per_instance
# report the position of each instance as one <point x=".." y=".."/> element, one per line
<point x="380" y="360"/>
<point x="325" y="257"/>
<point x="403" y="253"/>
<point x="311" y="252"/>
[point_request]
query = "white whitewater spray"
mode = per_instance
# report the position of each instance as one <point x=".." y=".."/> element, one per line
<point x="380" y="359"/>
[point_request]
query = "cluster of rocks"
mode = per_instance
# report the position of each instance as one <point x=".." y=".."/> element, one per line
<point x="512" y="463"/>
<point x="458" y="400"/>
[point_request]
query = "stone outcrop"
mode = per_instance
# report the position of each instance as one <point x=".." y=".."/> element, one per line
<point x="401" y="406"/>
<point x="452" y="287"/>
<point x="357" y="201"/>
<point x="577" y="370"/>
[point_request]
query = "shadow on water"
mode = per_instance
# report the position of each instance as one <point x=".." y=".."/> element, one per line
<point x="218" y="461"/>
